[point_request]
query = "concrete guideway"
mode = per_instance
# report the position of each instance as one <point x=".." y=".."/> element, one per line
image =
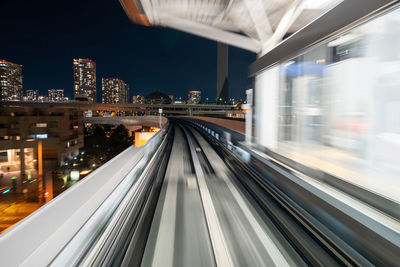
<point x="254" y="240"/>
<point x="202" y="219"/>
<point x="179" y="236"/>
<point x="334" y="212"/>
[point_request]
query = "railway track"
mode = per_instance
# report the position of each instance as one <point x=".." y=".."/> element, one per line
<point x="198" y="204"/>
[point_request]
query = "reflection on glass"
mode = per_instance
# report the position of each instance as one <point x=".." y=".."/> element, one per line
<point x="339" y="106"/>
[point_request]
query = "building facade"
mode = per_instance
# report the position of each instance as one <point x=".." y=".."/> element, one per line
<point x="157" y="97"/>
<point x="59" y="130"/>
<point x="56" y="95"/>
<point x="85" y="79"/>
<point x="114" y="91"/>
<point x="137" y="99"/>
<point x="194" y="97"/>
<point x="31" y="95"/>
<point x="10" y="81"/>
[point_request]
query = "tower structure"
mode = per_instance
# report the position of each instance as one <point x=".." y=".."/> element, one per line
<point x="114" y="90"/>
<point x="222" y="73"/>
<point x="10" y="81"/>
<point x="85" y="79"/>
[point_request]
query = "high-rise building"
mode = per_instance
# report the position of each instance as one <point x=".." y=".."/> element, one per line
<point x="114" y="90"/>
<point x="32" y="95"/>
<point x="138" y="99"/>
<point x="10" y="81"/>
<point x="194" y="97"/>
<point x="85" y="79"/>
<point x="56" y="95"/>
<point x="222" y="73"/>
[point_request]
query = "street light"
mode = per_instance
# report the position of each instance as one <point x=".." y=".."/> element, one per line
<point x="160" y="112"/>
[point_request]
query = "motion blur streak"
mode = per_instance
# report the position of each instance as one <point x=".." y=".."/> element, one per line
<point x="201" y="218"/>
<point x="338" y="106"/>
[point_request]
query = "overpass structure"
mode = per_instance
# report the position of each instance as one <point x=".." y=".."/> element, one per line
<point x="148" y="121"/>
<point x="315" y="185"/>
<point x="132" y="109"/>
<point x="254" y="25"/>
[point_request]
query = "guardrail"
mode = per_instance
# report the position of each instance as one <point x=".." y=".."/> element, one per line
<point x="39" y="238"/>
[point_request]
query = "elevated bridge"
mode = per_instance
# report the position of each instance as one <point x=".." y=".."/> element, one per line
<point x="132" y="109"/>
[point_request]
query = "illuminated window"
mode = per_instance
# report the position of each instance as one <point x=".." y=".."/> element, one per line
<point x="41" y="124"/>
<point x="41" y="136"/>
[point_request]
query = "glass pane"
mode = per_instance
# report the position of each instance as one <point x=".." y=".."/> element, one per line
<point x="339" y="106"/>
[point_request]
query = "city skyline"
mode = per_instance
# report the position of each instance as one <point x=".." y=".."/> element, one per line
<point x="98" y="92"/>
<point x="148" y="59"/>
<point x="84" y="73"/>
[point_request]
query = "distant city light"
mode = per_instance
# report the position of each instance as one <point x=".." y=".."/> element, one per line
<point x="114" y="90"/>
<point x="6" y="191"/>
<point x="74" y="175"/>
<point x="41" y="136"/>
<point x="85" y="172"/>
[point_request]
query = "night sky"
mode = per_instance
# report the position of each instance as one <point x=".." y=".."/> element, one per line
<point x="44" y="36"/>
